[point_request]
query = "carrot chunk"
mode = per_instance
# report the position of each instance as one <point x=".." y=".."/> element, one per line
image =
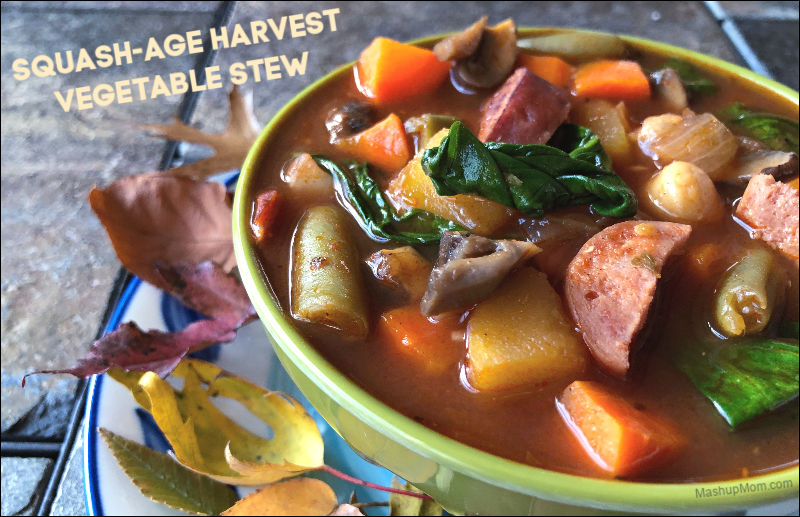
<point x="384" y="145"/>
<point x="794" y="183"/>
<point x="430" y="345"/>
<point x="623" y="80"/>
<point x="619" y="438"/>
<point x="264" y="214"/>
<point x="550" y="68"/>
<point x="389" y="71"/>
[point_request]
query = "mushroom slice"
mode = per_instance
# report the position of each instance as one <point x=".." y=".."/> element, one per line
<point x="463" y="44"/>
<point x="670" y="88"/>
<point x="779" y="164"/>
<point x="469" y="268"/>
<point x="494" y="58"/>
<point x="351" y="118"/>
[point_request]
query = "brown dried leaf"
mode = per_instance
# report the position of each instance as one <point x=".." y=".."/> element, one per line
<point x="298" y="496"/>
<point x="206" y="288"/>
<point x="132" y="349"/>
<point x="230" y="147"/>
<point x="152" y="218"/>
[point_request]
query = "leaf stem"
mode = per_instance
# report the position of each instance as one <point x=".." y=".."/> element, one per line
<point x="341" y="475"/>
<point x="370" y="504"/>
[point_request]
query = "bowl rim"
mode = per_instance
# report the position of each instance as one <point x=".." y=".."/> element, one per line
<point x="556" y="486"/>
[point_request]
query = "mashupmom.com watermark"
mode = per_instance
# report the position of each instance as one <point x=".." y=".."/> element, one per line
<point x="744" y="487"/>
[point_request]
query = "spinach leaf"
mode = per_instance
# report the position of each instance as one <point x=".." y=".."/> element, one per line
<point x="693" y="81"/>
<point x="746" y="377"/>
<point x="532" y="178"/>
<point x="580" y="143"/>
<point x="780" y="134"/>
<point x="790" y="330"/>
<point x="462" y="164"/>
<point x="362" y="197"/>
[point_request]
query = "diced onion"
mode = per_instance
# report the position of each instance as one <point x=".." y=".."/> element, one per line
<point x="698" y="139"/>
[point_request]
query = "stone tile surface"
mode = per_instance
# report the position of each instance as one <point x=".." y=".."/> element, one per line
<point x="118" y="5"/>
<point x="47" y="420"/>
<point x="21" y="480"/>
<point x="775" y="42"/>
<point x="57" y="264"/>
<point x="773" y="10"/>
<point x="687" y="24"/>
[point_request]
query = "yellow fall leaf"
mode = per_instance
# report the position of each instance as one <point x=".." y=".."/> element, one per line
<point x="207" y="441"/>
<point x="230" y="147"/>
<point x="299" y="496"/>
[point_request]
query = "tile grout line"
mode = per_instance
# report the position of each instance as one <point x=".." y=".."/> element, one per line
<point x="189" y="102"/>
<point x="222" y="17"/>
<point x="30" y="449"/>
<point x="737" y="39"/>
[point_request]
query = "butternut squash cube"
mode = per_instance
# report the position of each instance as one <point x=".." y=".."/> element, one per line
<point x="521" y="336"/>
<point x="412" y="188"/>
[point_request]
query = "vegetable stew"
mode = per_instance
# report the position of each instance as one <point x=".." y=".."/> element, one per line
<point x="558" y="248"/>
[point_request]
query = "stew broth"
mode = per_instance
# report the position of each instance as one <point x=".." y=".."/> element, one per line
<point x="525" y="426"/>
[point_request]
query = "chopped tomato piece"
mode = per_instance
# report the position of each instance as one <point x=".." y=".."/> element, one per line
<point x="264" y="214"/>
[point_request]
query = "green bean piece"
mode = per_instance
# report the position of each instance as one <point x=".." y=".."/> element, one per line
<point x="326" y="274"/>
<point x="748" y="294"/>
<point x="576" y="47"/>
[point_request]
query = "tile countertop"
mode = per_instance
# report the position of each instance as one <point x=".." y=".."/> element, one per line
<point x="57" y="265"/>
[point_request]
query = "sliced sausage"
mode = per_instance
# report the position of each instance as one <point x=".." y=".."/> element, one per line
<point x="525" y="110"/>
<point x="611" y="282"/>
<point x="770" y="208"/>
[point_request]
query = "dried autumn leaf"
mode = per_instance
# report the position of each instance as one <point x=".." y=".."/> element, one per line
<point x="230" y="147"/>
<point x="166" y="481"/>
<point x="207" y="441"/>
<point x="132" y="349"/>
<point x="153" y="218"/>
<point x="406" y="505"/>
<point x="299" y="496"/>
<point x="206" y="288"/>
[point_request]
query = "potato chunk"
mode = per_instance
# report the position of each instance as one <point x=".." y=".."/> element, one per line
<point x="520" y="336"/>
<point x="401" y="268"/>
<point x="605" y="120"/>
<point x="412" y="188"/>
<point x="306" y="179"/>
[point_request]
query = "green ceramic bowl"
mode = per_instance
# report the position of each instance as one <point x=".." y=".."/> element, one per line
<point x="463" y="479"/>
